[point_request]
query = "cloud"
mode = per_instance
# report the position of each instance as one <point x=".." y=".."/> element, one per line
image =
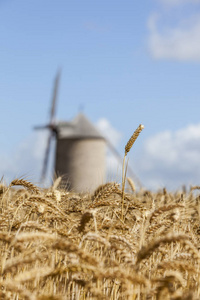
<point x="113" y="136"/>
<point x="27" y="158"/>
<point x="108" y="131"/>
<point x="178" y="2"/>
<point x="175" y="38"/>
<point x="171" y="158"/>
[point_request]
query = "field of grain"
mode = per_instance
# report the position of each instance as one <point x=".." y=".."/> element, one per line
<point x="57" y="244"/>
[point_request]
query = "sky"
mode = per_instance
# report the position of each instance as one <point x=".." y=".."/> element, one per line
<point x="123" y="63"/>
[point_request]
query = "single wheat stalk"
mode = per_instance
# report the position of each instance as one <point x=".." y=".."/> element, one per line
<point x="96" y="238"/>
<point x="146" y="251"/>
<point x="34" y="226"/>
<point x="162" y="210"/>
<point x="196" y="187"/>
<point x="171" y="276"/>
<point x="131" y="184"/>
<point x="32" y="236"/>
<point x="182" y="266"/>
<point x="49" y="204"/>
<point x="124" y="172"/>
<point x="35" y="273"/>
<point x="122" y="275"/>
<point x="121" y="240"/>
<point x="63" y="245"/>
<point x="30" y="186"/>
<point x="56" y="183"/>
<point x="22" y="259"/>
<point x="153" y="228"/>
<point x="104" y="190"/>
<point x="127" y="149"/>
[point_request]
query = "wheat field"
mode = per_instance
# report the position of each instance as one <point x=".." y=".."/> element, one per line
<point x="56" y="244"/>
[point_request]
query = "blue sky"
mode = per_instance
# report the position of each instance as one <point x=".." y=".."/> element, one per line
<point x="124" y="62"/>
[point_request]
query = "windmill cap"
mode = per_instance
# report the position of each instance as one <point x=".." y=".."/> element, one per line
<point x="80" y="127"/>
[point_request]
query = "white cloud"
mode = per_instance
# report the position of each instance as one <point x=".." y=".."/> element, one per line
<point x="178" y="2"/>
<point x="108" y="131"/>
<point x="113" y="136"/>
<point x="26" y="159"/>
<point x="171" y="158"/>
<point x="178" y="42"/>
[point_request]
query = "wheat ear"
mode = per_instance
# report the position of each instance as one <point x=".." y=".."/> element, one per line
<point x="133" y="138"/>
<point x="30" y="186"/>
<point x="153" y="245"/>
<point x="127" y="149"/>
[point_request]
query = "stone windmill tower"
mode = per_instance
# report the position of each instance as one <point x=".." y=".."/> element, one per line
<point x="80" y="154"/>
<point x="80" y="150"/>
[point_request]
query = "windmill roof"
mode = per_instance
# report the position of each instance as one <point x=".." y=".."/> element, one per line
<point x="79" y="127"/>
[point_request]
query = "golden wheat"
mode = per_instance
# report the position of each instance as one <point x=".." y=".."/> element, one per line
<point x="133" y="138"/>
<point x="77" y="246"/>
<point x="131" y="184"/>
<point x="30" y="186"/>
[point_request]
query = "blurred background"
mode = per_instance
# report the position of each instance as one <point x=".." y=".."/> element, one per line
<point x="122" y="63"/>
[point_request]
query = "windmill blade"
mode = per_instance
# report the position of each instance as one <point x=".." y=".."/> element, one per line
<point x="54" y="98"/>
<point x="50" y="126"/>
<point x="41" y="127"/>
<point x="120" y="159"/>
<point x="46" y="157"/>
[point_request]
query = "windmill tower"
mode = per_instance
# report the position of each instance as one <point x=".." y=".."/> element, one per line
<point x="80" y="154"/>
<point x="80" y="150"/>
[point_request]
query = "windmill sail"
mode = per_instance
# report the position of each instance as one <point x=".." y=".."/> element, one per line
<point x="46" y="157"/>
<point x="50" y="125"/>
<point x="54" y="98"/>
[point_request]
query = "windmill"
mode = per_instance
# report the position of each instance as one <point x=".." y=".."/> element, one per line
<point x="80" y="150"/>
